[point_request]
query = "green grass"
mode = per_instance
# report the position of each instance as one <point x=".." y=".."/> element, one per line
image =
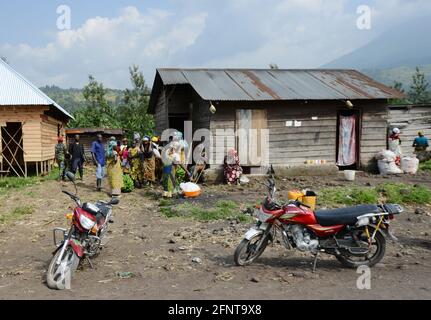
<point x="223" y="210"/>
<point x="390" y="193"/>
<point x="9" y="183"/>
<point x="425" y="166"/>
<point x="16" y="214"/>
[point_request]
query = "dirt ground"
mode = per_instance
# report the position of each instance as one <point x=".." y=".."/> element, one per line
<point x="159" y="252"/>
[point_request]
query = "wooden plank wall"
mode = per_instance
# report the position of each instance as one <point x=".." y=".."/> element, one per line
<point x="313" y="140"/>
<point x="30" y="117"/>
<point x="161" y="114"/>
<point x="410" y="120"/>
<point x="49" y="129"/>
<point x="374" y="132"/>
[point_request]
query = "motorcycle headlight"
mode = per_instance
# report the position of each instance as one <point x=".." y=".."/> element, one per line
<point x="86" y="223"/>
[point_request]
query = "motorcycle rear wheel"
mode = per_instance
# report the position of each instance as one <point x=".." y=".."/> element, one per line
<point x="379" y="245"/>
<point x="247" y="247"/>
<point x="56" y="277"/>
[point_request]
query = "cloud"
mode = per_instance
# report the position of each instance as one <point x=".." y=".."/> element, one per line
<point x="207" y="33"/>
<point x="106" y="47"/>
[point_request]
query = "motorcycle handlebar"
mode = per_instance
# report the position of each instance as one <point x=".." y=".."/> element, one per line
<point x="75" y="198"/>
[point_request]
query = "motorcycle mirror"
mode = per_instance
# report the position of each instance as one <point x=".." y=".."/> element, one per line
<point x="70" y="176"/>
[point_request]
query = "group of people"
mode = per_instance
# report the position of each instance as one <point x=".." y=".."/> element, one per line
<point x="420" y="144"/>
<point x="144" y="160"/>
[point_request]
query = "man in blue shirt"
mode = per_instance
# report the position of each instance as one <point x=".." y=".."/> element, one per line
<point x="99" y="158"/>
<point x="421" y="143"/>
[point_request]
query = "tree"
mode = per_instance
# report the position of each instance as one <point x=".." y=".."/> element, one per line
<point x="133" y="113"/>
<point x="418" y="90"/>
<point x="399" y="87"/>
<point x="97" y="112"/>
<point x="273" y="66"/>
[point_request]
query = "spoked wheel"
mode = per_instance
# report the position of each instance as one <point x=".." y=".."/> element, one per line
<point x="247" y="251"/>
<point x="59" y="276"/>
<point x="365" y="254"/>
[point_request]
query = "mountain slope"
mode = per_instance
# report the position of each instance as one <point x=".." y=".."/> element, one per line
<point x="406" y="45"/>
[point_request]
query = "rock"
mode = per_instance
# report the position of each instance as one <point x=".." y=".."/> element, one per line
<point x="172" y="241"/>
<point x="420" y="211"/>
<point x="197" y="260"/>
<point x="125" y="231"/>
<point x="177" y="234"/>
<point x="182" y="248"/>
<point x="255" y="280"/>
<point x="398" y="255"/>
<point x="125" y="275"/>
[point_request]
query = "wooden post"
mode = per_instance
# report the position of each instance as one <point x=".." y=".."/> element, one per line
<point x="25" y="168"/>
<point x="37" y="169"/>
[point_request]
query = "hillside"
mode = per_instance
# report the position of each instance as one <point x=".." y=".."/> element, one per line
<point x="394" y="54"/>
<point x="73" y="99"/>
<point x="400" y="74"/>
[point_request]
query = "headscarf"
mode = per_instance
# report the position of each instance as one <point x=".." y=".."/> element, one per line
<point x="396" y="131"/>
<point x="232" y="157"/>
<point x="112" y="146"/>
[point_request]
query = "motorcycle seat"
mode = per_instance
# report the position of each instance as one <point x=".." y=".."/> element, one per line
<point x="346" y="216"/>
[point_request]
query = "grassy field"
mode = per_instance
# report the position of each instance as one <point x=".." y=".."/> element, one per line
<point x="14" y="183"/>
<point x="399" y="193"/>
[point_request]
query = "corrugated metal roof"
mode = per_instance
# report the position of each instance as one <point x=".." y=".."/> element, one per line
<point x="266" y="85"/>
<point x="15" y="90"/>
<point x="94" y="131"/>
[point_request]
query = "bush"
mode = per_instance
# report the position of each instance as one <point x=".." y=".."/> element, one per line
<point x="129" y="185"/>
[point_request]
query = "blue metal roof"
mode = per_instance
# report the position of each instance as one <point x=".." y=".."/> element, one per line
<point x="15" y="90"/>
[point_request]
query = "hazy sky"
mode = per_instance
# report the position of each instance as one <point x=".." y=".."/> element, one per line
<point x="108" y="36"/>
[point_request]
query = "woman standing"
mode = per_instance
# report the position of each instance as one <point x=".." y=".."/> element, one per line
<point x="395" y="145"/>
<point x="135" y="160"/>
<point x="171" y="162"/>
<point x="232" y="168"/>
<point x="149" y="161"/>
<point x="115" y="173"/>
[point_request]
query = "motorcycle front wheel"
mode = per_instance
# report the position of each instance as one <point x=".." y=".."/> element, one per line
<point x="246" y="253"/>
<point x="59" y="276"/>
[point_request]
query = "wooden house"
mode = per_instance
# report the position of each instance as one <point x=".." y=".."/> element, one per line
<point x="410" y="119"/>
<point x="89" y="135"/>
<point x="30" y="124"/>
<point x="303" y="113"/>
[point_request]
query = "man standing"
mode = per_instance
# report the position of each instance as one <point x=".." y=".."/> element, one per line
<point x="99" y="158"/>
<point x="421" y="143"/>
<point x="76" y="151"/>
<point x="60" y="156"/>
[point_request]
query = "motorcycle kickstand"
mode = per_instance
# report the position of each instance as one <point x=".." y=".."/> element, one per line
<point x="315" y="262"/>
<point x="90" y="263"/>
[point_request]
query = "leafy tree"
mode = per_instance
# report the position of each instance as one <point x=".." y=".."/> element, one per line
<point x="418" y="90"/>
<point x="399" y="87"/>
<point x="273" y="66"/>
<point x="133" y="113"/>
<point x="98" y="112"/>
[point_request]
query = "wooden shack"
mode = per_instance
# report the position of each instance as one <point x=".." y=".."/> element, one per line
<point x="410" y="119"/>
<point x="300" y="111"/>
<point x="89" y="135"/>
<point x="30" y="123"/>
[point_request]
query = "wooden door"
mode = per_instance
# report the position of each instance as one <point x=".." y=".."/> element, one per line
<point x="252" y="146"/>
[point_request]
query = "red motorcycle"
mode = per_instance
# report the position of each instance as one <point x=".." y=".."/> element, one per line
<point x="354" y="235"/>
<point x="88" y="226"/>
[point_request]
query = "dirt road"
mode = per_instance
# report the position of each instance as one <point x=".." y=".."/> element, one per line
<point x="159" y="254"/>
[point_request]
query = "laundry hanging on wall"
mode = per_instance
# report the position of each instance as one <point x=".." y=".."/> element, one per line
<point x="347" y="141"/>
